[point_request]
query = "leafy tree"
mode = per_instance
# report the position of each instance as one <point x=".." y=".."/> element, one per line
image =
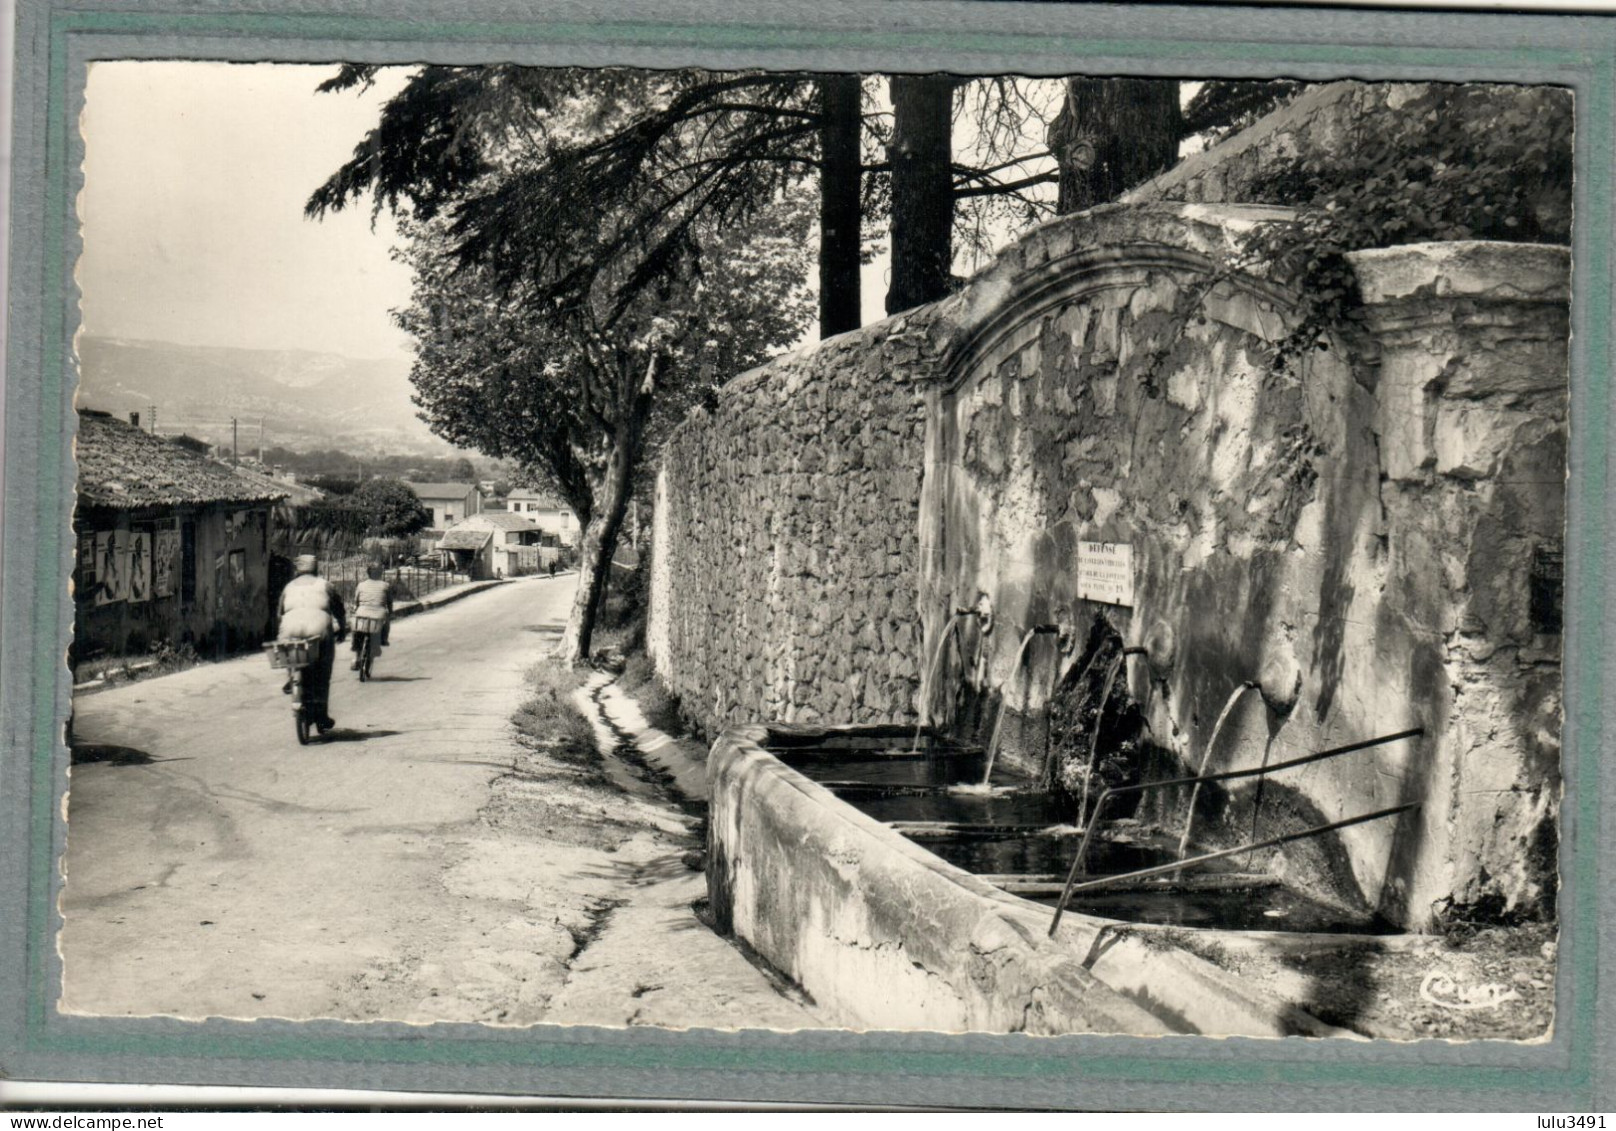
<point x="577" y="393"/>
<point x="388" y="508"/>
<point x="665" y="152"/>
<point x="1221" y="108"/>
<point x="462" y="471"/>
<point x="334" y="485"/>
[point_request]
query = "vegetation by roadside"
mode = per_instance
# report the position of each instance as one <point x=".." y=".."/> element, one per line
<point x="559" y="786"/>
<point x="552" y="718"/>
<point x="115" y="671"/>
<point x="620" y="647"/>
<point x="659" y="705"/>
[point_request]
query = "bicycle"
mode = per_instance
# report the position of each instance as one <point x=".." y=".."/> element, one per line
<point x="365" y="630"/>
<point x="294" y="656"/>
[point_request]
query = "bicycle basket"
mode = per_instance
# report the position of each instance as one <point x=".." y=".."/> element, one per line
<point x="293" y="653"/>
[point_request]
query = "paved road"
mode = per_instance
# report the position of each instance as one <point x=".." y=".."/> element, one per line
<point x="422" y="864"/>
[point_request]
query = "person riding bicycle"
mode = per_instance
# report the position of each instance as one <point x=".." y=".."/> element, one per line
<point x="311" y="609"/>
<point x="374" y="598"/>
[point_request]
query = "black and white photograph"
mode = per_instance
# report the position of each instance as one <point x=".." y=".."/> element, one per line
<point x="793" y="550"/>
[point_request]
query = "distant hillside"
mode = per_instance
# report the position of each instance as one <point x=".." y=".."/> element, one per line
<point x="305" y="399"/>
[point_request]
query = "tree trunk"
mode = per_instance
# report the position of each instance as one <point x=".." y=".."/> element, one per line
<point x="839" y="205"/>
<point x="1113" y="135"/>
<point x="598" y="545"/>
<point x="922" y="190"/>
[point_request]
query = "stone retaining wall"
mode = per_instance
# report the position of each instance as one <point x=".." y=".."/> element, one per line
<point x="785" y="536"/>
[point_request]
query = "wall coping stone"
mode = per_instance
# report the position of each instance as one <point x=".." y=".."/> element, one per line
<point x="1483" y="269"/>
<point x="1262" y="133"/>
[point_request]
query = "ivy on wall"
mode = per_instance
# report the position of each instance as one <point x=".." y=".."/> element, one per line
<point x="1456" y="162"/>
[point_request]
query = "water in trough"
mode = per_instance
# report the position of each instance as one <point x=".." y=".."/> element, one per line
<point x="1022" y="838"/>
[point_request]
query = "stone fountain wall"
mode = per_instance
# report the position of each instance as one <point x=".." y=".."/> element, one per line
<point x="1373" y="535"/>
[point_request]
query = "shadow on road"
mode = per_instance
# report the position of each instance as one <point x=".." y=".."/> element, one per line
<point x="114" y="755"/>
<point x="343" y="734"/>
<point x="399" y="678"/>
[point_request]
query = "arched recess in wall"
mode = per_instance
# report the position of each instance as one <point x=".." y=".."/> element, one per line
<point x="1058" y="329"/>
<point x="1111" y="437"/>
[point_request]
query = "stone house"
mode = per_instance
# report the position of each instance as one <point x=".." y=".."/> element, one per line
<point x="469" y="551"/>
<point x="449" y="502"/>
<point x="507" y="545"/>
<point x="171" y="547"/>
<point x="552" y="516"/>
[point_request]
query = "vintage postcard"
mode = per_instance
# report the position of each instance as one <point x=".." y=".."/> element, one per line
<point x="639" y="558"/>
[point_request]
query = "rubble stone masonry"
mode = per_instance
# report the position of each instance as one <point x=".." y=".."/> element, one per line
<point x="785" y="536"/>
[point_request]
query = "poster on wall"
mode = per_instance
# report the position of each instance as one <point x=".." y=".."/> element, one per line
<point x="165" y="552"/>
<point x="1105" y="572"/>
<point x="140" y="566"/>
<point x="86" y="561"/>
<point x="111" y="560"/>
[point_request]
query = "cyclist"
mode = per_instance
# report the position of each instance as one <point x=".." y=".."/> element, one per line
<point x="311" y="609"/>
<point x="374" y="598"/>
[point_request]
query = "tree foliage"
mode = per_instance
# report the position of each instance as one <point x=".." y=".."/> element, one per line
<point x="1223" y="107"/>
<point x="376" y="508"/>
<point x="389" y="508"/>
<point x="1457" y="162"/>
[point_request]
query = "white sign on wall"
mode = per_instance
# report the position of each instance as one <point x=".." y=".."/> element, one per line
<point x="1105" y="572"/>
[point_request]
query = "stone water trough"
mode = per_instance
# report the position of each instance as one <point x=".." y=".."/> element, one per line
<point x="883" y="933"/>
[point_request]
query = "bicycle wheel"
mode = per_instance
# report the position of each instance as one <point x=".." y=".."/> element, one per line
<point x="367" y="656"/>
<point x="299" y="716"/>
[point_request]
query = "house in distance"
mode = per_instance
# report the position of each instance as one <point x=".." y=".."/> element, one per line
<point x="496" y="544"/>
<point x="549" y="514"/>
<point x="449" y="502"/>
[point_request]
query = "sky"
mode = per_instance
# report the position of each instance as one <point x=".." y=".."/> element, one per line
<point x="192" y="210"/>
<point x="195" y="175"/>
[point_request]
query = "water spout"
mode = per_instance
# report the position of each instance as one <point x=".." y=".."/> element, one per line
<point x="1206" y="757"/>
<point x="927" y="689"/>
<point x="1099" y="716"/>
<point x="1015" y="667"/>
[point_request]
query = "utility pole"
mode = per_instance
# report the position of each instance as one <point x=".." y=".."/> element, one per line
<point x="235" y="444"/>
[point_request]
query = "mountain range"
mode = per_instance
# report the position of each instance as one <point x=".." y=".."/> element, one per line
<point x="298" y="399"/>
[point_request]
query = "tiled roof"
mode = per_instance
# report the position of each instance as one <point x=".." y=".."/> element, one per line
<point x="462" y="539"/>
<point x="299" y="494"/>
<point x="504" y="520"/>
<point x="120" y="466"/>
<point x="455" y="491"/>
<point x="532" y="495"/>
